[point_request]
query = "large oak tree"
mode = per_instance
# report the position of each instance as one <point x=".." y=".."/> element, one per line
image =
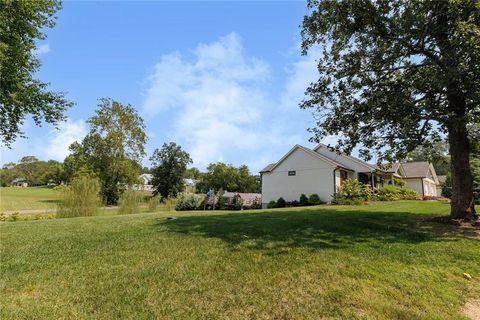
<point x="395" y="75"/>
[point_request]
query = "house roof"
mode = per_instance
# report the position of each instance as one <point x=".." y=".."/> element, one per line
<point x="272" y="166"/>
<point x="268" y="168"/>
<point x="417" y="169"/>
<point x="245" y="196"/>
<point x="368" y="165"/>
<point x="19" y="180"/>
<point x="389" y="167"/>
<point x="441" y="179"/>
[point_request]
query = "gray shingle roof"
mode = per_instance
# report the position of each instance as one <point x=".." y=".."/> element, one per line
<point x="268" y="168"/>
<point x="387" y="167"/>
<point x="417" y="169"/>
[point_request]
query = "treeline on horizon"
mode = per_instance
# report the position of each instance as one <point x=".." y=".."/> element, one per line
<point x="111" y="154"/>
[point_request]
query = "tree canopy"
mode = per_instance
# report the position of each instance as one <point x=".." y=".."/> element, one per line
<point x="112" y="149"/>
<point x="169" y="169"/>
<point x="36" y="172"/>
<point x="394" y="75"/>
<point x="22" y="24"/>
<point x="222" y="176"/>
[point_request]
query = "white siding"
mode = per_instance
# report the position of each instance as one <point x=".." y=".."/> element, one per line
<point x="415" y="184"/>
<point x="429" y="187"/>
<point x="313" y="175"/>
<point x="439" y="190"/>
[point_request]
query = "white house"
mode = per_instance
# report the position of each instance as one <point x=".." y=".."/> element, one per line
<point x="19" y="182"/>
<point x="322" y="171"/>
<point x="421" y="177"/>
<point x="145" y="184"/>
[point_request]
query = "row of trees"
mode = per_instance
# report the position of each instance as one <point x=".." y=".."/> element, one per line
<point x="37" y="172"/>
<point x="112" y="152"/>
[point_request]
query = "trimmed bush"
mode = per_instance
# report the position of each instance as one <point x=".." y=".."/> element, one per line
<point x="314" y="199"/>
<point x="352" y="192"/>
<point x="399" y="182"/>
<point x="303" y="200"/>
<point x="80" y="198"/>
<point x="392" y="193"/>
<point x="237" y="203"/>
<point x="129" y="202"/>
<point x="281" y="203"/>
<point x="272" y="204"/>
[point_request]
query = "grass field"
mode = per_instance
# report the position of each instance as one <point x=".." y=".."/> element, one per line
<point x="32" y="198"/>
<point x="28" y="198"/>
<point x="382" y="261"/>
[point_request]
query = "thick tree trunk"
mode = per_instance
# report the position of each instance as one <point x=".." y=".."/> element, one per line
<point x="462" y="203"/>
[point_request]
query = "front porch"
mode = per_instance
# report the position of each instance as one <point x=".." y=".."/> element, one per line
<point x="377" y="179"/>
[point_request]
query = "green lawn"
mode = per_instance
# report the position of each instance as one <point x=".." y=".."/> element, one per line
<point x="28" y="198"/>
<point x="382" y="261"/>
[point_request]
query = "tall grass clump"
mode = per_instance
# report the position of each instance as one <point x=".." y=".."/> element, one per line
<point x="153" y="203"/>
<point x="81" y="198"/>
<point x="129" y="202"/>
<point x="169" y="204"/>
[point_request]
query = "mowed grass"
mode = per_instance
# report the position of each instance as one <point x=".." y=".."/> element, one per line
<point x="381" y="261"/>
<point x="28" y="198"/>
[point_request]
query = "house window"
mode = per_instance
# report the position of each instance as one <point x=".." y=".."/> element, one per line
<point x="363" y="178"/>
<point x="292" y="173"/>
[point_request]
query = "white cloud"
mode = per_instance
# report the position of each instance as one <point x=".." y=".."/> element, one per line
<point x="42" y="49"/>
<point x="216" y="99"/>
<point x="221" y="106"/>
<point x="69" y="132"/>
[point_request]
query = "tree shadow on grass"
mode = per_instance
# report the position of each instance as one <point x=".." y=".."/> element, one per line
<point x="278" y="231"/>
<point x="52" y="201"/>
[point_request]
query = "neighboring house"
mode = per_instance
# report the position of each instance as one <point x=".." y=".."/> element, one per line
<point x="189" y="182"/>
<point x="441" y="182"/>
<point x="248" y="199"/>
<point x="19" y="182"/>
<point x="421" y="177"/>
<point x="145" y="183"/>
<point x="322" y="171"/>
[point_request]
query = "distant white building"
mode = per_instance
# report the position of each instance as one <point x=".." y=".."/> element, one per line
<point x="189" y="182"/>
<point x="145" y="183"/>
<point x="19" y="182"/>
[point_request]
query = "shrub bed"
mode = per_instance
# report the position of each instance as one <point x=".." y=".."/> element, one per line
<point x="392" y="193"/>
<point x="352" y="192"/>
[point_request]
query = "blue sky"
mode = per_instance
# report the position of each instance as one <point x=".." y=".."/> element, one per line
<point x="222" y="79"/>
